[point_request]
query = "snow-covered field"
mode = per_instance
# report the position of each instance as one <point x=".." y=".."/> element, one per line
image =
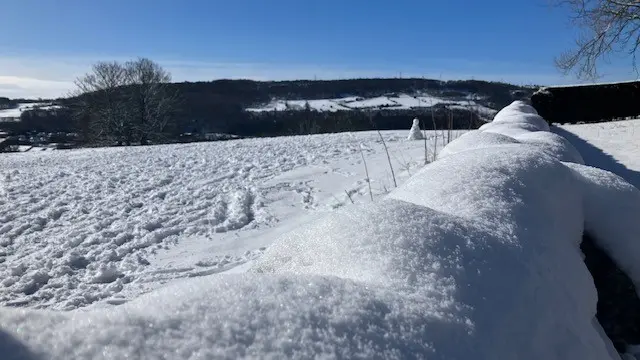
<point x="474" y="256"/>
<point x="612" y="146"/>
<point x="102" y="226"/>
<point x="22" y="107"/>
<point x="397" y="102"/>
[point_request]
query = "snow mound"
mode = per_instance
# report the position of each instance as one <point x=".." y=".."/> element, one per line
<point x="518" y="107"/>
<point x="516" y="132"/>
<point x="552" y="144"/>
<point x="474" y="257"/>
<point x="509" y="129"/>
<point x="475" y="140"/>
<point x="483" y="249"/>
<point x="519" y="112"/>
<point x="241" y="316"/>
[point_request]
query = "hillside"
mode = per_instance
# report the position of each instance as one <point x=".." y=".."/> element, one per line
<point x="274" y="108"/>
<point x="252" y="108"/>
<point x="419" y="101"/>
<point x="485" y="264"/>
<point x="247" y="93"/>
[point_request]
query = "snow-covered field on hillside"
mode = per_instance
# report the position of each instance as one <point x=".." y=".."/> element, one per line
<point x="475" y="255"/>
<point x="396" y="102"/>
<point x="22" y="107"/>
<point x="101" y="226"/>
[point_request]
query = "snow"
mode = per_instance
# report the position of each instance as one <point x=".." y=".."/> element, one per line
<point x="520" y="114"/>
<point x="317" y="105"/>
<point x="611" y="146"/>
<point x="517" y="123"/>
<point x="22" y="107"/>
<point x="475" y="255"/>
<point x="137" y="217"/>
<point x="398" y="102"/>
<point x="476" y="140"/>
<point x="611" y="207"/>
<point x="552" y="144"/>
<point x="380" y="101"/>
<point x="509" y="129"/>
<point x="414" y="132"/>
<point x="360" y="282"/>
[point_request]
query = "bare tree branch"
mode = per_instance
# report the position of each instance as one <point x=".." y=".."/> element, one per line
<point x="610" y="27"/>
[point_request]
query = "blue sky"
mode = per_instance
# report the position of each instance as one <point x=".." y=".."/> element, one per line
<point x="47" y="43"/>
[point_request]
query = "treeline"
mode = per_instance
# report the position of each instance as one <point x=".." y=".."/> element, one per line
<point x="268" y="123"/>
<point x="218" y="106"/>
<point x="312" y="122"/>
<point x="6" y="103"/>
<point x="246" y="93"/>
<point x="115" y="103"/>
<point x="43" y="121"/>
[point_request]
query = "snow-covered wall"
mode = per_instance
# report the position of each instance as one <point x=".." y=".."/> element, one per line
<point x="475" y="257"/>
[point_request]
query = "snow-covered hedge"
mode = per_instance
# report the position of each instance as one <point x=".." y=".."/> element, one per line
<point x="475" y="257"/>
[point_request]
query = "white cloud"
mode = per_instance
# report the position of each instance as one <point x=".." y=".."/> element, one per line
<point x="33" y="77"/>
<point x="26" y="87"/>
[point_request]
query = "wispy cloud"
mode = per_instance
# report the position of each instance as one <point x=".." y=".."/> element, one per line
<point x="26" y="87"/>
<point x="51" y="77"/>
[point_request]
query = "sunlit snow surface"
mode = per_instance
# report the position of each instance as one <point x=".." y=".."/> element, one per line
<point x="475" y="256"/>
<point x="93" y="226"/>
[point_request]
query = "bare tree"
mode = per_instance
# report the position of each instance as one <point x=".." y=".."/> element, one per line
<point x="151" y="100"/>
<point x="610" y="27"/>
<point x="98" y="104"/>
<point x="128" y="102"/>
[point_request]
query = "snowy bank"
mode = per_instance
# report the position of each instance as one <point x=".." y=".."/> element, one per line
<point x="474" y="257"/>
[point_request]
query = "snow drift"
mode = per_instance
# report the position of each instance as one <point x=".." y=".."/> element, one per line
<point x="475" y="257"/>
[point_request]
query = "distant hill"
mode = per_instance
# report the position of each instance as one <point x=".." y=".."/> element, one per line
<point x="271" y="108"/>
<point x="229" y="106"/>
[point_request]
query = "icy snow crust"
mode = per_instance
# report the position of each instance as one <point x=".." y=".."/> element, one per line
<point x="474" y="257"/>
